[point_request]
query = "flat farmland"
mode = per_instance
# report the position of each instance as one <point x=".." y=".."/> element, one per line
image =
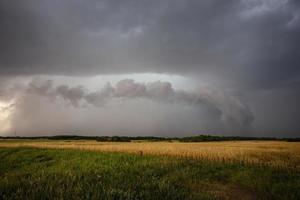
<point x="85" y="169"/>
<point x="271" y="153"/>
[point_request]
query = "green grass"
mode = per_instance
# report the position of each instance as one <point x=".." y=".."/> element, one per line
<point x="29" y="173"/>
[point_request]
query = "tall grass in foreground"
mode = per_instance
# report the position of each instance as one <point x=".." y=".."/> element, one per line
<point x="30" y="173"/>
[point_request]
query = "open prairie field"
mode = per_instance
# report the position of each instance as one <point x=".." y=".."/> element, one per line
<point x="44" y="169"/>
<point x="272" y="153"/>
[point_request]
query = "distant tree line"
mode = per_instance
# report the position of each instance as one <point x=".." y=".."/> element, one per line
<point x="207" y="138"/>
<point x="197" y="138"/>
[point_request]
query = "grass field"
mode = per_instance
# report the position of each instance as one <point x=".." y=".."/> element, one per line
<point x="36" y="169"/>
<point x="271" y="153"/>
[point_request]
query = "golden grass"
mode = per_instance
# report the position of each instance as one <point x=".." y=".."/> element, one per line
<point x="271" y="153"/>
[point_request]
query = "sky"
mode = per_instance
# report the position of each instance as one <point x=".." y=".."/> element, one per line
<point x="161" y="68"/>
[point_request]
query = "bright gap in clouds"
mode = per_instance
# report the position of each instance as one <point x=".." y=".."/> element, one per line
<point x="5" y="113"/>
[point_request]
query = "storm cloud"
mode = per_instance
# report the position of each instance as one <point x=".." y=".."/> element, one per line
<point x="244" y="40"/>
<point x="247" y="50"/>
<point x="231" y="109"/>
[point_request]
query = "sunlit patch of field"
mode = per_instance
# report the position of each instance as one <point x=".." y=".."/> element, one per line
<point x="270" y="153"/>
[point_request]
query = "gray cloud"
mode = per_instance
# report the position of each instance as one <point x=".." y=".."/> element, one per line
<point x="153" y="108"/>
<point x="240" y="46"/>
<point x="226" y="109"/>
<point x="254" y="42"/>
<point x="74" y="95"/>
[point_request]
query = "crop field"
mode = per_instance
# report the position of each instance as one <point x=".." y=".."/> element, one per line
<point x="271" y="153"/>
<point x="69" y="169"/>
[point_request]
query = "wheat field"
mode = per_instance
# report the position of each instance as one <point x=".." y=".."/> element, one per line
<point x="271" y="153"/>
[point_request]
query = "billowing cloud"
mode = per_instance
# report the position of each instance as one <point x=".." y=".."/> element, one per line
<point x="228" y="110"/>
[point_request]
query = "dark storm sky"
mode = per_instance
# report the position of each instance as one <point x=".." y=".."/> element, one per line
<point x="248" y="47"/>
